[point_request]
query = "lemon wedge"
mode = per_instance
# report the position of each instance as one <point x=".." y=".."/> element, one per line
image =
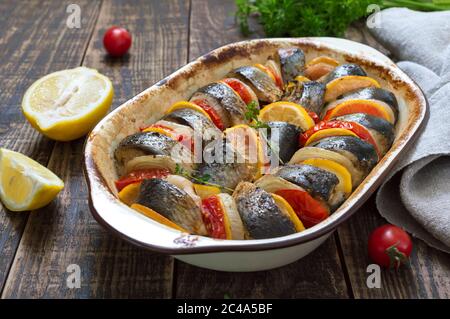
<point x="24" y="183"/>
<point x="67" y="104"/>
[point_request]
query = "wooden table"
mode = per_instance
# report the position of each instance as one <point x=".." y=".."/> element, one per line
<point x="36" y="248"/>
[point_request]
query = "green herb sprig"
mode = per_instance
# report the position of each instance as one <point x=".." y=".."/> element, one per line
<point x="297" y="18"/>
<point x="204" y="179"/>
<point x="252" y="115"/>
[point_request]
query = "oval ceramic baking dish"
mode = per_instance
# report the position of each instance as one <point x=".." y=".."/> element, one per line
<point x="150" y="105"/>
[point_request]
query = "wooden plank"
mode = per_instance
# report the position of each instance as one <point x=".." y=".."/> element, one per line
<point x="317" y="275"/>
<point x="34" y="40"/>
<point x="65" y="233"/>
<point x="428" y="274"/>
<point x="426" y="277"/>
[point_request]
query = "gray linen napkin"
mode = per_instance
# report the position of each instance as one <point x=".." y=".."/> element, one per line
<point x="416" y="196"/>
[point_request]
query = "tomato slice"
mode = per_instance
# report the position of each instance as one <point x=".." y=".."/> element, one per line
<point x="271" y="74"/>
<point x="314" y="116"/>
<point x="211" y="112"/>
<point x="354" y="127"/>
<point x="213" y="217"/>
<point x="362" y="107"/>
<point x="139" y="175"/>
<point x="240" y="89"/>
<point x="186" y="141"/>
<point x="309" y="210"/>
<point x="278" y="79"/>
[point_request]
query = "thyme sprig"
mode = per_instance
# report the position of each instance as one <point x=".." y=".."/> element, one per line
<point x="203" y="179"/>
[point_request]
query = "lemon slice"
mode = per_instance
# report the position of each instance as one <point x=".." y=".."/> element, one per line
<point x="67" y="104"/>
<point x="329" y="132"/>
<point x="289" y="112"/>
<point x="301" y="78"/>
<point x="205" y="191"/>
<point x="344" y="176"/>
<point x="130" y="193"/>
<point x="288" y="211"/>
<point x="187" y="105"/>
<point x="24" y="183"/>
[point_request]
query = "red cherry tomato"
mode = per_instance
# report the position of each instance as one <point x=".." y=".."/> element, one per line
<point x="117" y="41"/>
<point x="389" y="246"/>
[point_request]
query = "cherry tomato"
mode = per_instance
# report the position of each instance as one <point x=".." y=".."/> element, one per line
<point x="139" y="175"/>
<point x="117" y="41"/>
<point x="389" y="246"/>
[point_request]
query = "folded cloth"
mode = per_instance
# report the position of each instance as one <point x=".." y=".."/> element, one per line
<point x="416" y="195"/>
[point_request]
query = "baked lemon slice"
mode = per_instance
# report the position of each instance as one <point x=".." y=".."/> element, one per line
<point x="289" y="112"/>
<point x="24" y="183"/>
<point x="67" y="104"/>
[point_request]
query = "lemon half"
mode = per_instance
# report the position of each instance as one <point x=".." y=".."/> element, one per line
<point x="67" y="104"/>
<point x="24" y="183"/>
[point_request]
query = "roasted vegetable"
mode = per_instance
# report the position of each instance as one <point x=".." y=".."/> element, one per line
<point x="221" y="217"/>
<point x="173" y="203"/>
<point x="243" y="90"/>
<point x="360" y="153"/>
<point x="289" y="112"/>
<point x="262" y="84"/>
<point x="274" y="68"/>
<point x="150" y="213"/>
<point x="261" y="216"/>
<point x="292" y="61"/>
<point x="288" y="211"/>
<point x="138" y="175"/>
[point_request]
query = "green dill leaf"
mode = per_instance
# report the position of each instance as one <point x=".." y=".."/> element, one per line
<point x="178" y="169"/>
<point x="204" y="178"/>
<point x="252" y="111"/>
